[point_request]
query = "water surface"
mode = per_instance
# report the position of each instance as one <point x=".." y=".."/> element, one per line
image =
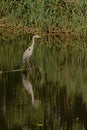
<point x="52" y="95"/>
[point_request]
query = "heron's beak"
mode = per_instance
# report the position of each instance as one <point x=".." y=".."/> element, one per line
<point x="39" y="37"/>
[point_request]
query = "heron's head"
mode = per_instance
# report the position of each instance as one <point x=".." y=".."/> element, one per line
<point x="36" y="36"/>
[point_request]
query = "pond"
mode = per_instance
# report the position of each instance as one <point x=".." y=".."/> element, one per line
<point x="52" y="94"/>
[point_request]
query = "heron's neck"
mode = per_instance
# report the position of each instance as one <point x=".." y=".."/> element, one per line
<point x="33" y="42"/>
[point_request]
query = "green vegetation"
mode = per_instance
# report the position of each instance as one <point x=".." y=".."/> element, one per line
<point x="58" y="64"/>
<point x="48" y="16"/>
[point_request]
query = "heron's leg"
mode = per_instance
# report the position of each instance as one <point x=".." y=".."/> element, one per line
<point x="28" y="69"/>
<point x="28" y="74"/>
<point x="28" y="65"/>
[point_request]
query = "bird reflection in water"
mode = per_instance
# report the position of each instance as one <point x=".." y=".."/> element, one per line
<point x="28" y="86"/>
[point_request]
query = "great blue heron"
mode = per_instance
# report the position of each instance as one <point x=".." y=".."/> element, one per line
<point x="28" y="86"/>
<point x="29" y="50"/>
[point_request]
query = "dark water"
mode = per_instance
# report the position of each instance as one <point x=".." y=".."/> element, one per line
<point x="28" y="105"/>
<point x="52" y="95"/>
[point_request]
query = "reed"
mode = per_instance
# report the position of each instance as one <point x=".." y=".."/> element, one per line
<point x="58" y="94"/>
<point x="46" y="15"/>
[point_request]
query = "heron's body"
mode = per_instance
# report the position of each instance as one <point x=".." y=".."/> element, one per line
<point x="28" y="52"/>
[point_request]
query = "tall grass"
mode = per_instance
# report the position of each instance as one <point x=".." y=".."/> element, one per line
<point x="46" y="54"/>
<point x="47" y="15"/>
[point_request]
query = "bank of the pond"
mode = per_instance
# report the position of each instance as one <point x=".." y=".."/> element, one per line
<point x="8" y="30"/>
<point x="63" y="18"/>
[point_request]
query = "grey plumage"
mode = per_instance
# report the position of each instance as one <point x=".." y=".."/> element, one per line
<point x="28" y="52"/>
